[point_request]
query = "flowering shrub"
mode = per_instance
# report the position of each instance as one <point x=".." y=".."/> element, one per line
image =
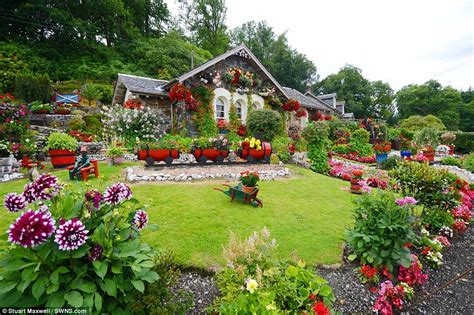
<point x="381" y="230"/>
<point x="222" y="124"/>
<point x="301" y="113"/>
<point x="355" y="157"/>
<point x="82" y="136"/>
<point x="412" y="275"/>
<point x="342" y="170"/>
<point x="74" y="250"/>
<point x="133" y="103"/>
<point x="129" y="124"/>
<point x="377" y="183"/>
<point x="237" y="77"/>
<point x="368" y="274"/>
<point x="41" y="108"/>
<point x="249" y="179"/>
<point x="291" y="106"/>
<point x="255" y="282"/>
<point x="390" y="296"/>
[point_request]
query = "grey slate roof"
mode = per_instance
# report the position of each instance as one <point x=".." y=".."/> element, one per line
<point x="324" y="104"/>
<point x="306" y="101"/>
<point x="140" y="84"/>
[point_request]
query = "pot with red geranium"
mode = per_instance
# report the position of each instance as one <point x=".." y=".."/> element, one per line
<point x="223" y="126"/>
<point x="356" y="178"/>
<point x="381" y="151"/>
<point x="249" y="181"/>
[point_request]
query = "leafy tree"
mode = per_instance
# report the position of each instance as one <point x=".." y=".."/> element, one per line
<point x="382" y="97"/>
<point x="466" y="116"/>
<point x="206" y="21"/>
<point x="414" y="123"/>
<point x="91" y="92"/>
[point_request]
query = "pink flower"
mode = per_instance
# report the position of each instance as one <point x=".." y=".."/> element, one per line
<point x="140" y="220"/>
<point x="117" y="193"/>
<point x="407" y="200"/>
<point x="14" y="202"/>
<point x="31" y="228"/>
<point x="71" y="234"/>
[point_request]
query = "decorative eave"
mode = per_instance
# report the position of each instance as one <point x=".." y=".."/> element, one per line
<point x="240" y="50"/>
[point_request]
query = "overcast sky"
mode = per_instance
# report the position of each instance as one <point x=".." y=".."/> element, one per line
<point x="397" y="41"/>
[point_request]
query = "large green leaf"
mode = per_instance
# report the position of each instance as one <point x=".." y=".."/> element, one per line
<point x="56" y="300"/>
<point x="6" y="286"/>
<point x="139" y="285"/>
<point x="110" y="287"/>
<point x="74" y="298"/>
<point x="97" y="302"/>
<point x="100" y="268"/>
<point x="39" y="287"/>
<point x="87" y="286"/>
<point x="54" y="278"/>
<point x="150" y="277"/>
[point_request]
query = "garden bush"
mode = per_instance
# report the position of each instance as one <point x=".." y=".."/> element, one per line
<point x="468" y="162"/>
<point x="381" y="230"/>
<point x="427" y="137"/>
<point x="280" y="148"/>
<point x="431" y="188"/>
<point x="255" y="282"/>
<point x="389" y="163"/>
<point x="264" y="124"/>
<point x="464" y="142"/>
<point x="316" y="136"/>
<point x="451" y="161"/>
<point x="80" y="250"/>
<point x="359" y="143"/>
<point x="60" y="141"/>
<point x="33" y="88"/>
<point x="414" y="123"/>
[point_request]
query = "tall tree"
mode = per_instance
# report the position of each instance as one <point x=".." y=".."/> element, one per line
<point x="430" y="98"/>
<point x="259" y="37"/>
<point x="206" y="22"/>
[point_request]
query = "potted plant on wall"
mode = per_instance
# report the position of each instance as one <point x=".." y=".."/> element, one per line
<point x="114" y="155"/>
<point x="61" y="148"/>
<point x="249" y="181"/>
<point x="381" y="151"/>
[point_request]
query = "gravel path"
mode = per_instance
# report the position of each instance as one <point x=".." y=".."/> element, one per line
<point x="448" y="291"/>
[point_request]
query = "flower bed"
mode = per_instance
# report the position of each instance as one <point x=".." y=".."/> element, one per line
<point x="357" y="158"/>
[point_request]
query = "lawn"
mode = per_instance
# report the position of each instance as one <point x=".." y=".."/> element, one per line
<point x="307" y="215"/>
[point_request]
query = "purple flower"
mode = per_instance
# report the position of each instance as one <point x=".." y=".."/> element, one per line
<point x="407" y="200"/>
<point x="71" y="234"/>
<point x="117" y="193"/>
<point x="95" y="196"/>
<point x="44" y="188"/>
<point x="14" y="202"/>
<point x="95" y="253"/>
<point x="140" y="220"/>
<point x="31" y="228"/>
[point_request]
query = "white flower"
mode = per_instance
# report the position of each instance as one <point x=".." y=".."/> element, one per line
<point x="252" y="285"/>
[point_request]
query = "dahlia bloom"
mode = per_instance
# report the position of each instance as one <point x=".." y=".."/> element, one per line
<point x="140" y="220"/>
<point x="44" y="188"/>
<point x="117" y="193"/>
<point x="14" y="202"/>
<point x="31" y="228"/>
<point x="95" y="253"/>
<point x="95" y="196"/>
<point x="71" y="234"/>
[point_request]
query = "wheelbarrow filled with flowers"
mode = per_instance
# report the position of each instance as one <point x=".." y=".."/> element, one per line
<point x="246" y="191"/>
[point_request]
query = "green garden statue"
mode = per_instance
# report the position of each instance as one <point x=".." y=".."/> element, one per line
<point x="82" y="160"/>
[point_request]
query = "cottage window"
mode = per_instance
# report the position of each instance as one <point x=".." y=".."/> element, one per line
<point x="220" y="108"/>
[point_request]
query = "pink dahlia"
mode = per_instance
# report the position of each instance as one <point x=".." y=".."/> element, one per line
<point x="14" y="202"/>
<point x="31" y="228"/>
<point x="71" y="234"/>
<point x="117" y="193"/>
<point x="140" y="220"/>
<point x="44" y="188"/>
<point x="95" y="253"/>
<point x="407" y="200"/>
<point x="95" y="197"/>
<point x="29" y="193"/>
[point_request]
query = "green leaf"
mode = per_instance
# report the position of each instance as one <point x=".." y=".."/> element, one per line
<point x="88" y="287"/>
<point x="100" y="268"/>
<point x="29" y="274"/>
<point x="10" y="298"/>
<point x="81" y="252"/>
<point x="352" y="257"/>
<point x="291" y="271"/>
<point x="325" y="290"/>
<point x="6" y="286"/>
<point x="52" y="288"/>
<point x="147" y="264"/>
<point x="116" y="268"/>
<point x="150" y="277"/>
<point x="370" y="259"/>
<point x="39" y="287"/>
<point x="74" y="298"/>
<point x="54" y="278"/>
<point x="138" y="284"/>
<point x="98" y="302"/>
<point x="56" y="300"/>
<point x="110" y="287"/>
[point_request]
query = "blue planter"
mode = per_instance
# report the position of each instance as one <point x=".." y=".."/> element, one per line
<point x="405" y="153"/>
<point x="381" y="157"/>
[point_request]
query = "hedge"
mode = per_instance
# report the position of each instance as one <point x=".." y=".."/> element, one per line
<point x="464" y="142"/>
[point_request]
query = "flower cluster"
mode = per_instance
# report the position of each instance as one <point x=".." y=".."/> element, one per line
<point x="368" y="274"/>
<point x="44" y="188"/>
<point x="320" y="308"/>
<point x="95" y="252"/>
<point x="377" y="183"/>
<point x="251" y="143"/>
<point x="251" y="285"/>
<point x="249" y="179"/>
<point x="140" y="220"/>
<point x="382" y="148"/>
<point x="342" y="170"/>
<point x="133" y="103"/>
<point x="357" y="174"/>
<point x="418" y="158"/>
<point x="117" y="193"/>
<point x="412" y="275"/>
<point x="355" y="157"/>
<point x="31" y="228"/>
<point x="462" y="212"/>
<point x="389" y="295"/>
<point x="237" y="77"/>
<point x="14" y="202"/>
<point x="222" y="124"/>
<point x="71" y="234"/>
<point x="95" y="197"/>
<point x="301" y="113"/>
<point x="406" y="201"/>
<point x="291" y="106"/>
<point x="242" y="130"/>
<point x="82" y="136"/>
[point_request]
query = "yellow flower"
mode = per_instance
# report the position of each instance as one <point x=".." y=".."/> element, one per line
<point x="258" y="142"/>
<point x="252" y="285"/>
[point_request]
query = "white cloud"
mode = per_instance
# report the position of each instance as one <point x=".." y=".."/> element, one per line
<point x="400" y="42"/>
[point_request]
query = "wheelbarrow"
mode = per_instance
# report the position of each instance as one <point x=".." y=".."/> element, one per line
<point x="236" y="193"/>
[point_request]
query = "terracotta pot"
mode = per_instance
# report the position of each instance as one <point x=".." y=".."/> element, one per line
<point x="62" y="158"/>
<point x="248" y="190"/>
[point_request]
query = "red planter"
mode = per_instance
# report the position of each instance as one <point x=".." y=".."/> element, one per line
<point x="257" y="155"/>
<point x="210" y="154"/>
<point x="451" y="150"/>
<point x="62" y="158"/>
<point x="429" y="155"/>
<point x="152" y="156"/>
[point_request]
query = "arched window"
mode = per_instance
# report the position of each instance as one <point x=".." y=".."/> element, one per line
<point x="220" y="108"/>
<point x="239" y="105"/>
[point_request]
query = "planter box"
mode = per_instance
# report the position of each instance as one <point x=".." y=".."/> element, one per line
<point x="252" y="155"/>
<point x="203" y="155"/>
<point x="152" y="156"/>
<point x="429" y="155"/>
<point x="381" y="157"/>
<point x="62" y="158"/>
<point x="405" y="153"/>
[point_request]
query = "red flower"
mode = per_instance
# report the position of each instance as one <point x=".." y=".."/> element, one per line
<point x="133" y="104"/>
<point x="321" y="309"/>
<point x="312" y="297"/>
<point x="291" y="105"/>
<point x="408" y="245"/>
<point x="426" y="250"/>
<point x="242" y="130"/>
<point x="386" y="273"/>
<point x="368" y="272"/>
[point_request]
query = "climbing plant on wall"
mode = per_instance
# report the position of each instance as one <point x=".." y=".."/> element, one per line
<point x="203" y="118"/>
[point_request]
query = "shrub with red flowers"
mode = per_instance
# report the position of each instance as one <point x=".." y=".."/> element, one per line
<point x="82" y="136"/>
<point x="291" y="106"/>
<point x="368" y="274"/>
<point x="412" y="275"/>
<point x="318" y="116"/>
<point x="301" y="112"/>
<point x="63" y="254"/>
<point x="222" y="124"/>
<point x="377" y="183"/>
<point x="27" y="163"/>
<point x="355" y="157"/>
<point x="62" y="109"/>
<point x="242" y="130"/>
<point x="328" y="117"/>
<point x="133" y="103"/>
<point x="179" y="92"/>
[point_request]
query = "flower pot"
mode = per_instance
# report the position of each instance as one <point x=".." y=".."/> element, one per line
<point x="381" y="157"/>
<point x="62" y="158"/>
<point x="429" y="155"/>
<point x="257" y="155"/>
<point x="405" y="153"/>
<point x="248" y="190"/>
<point x="150" y="156"/>
<point x="451" y="150"/>
<point x="396" y="144"/>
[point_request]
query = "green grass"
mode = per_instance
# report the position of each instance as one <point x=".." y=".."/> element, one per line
<point x="307" y="215"/>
